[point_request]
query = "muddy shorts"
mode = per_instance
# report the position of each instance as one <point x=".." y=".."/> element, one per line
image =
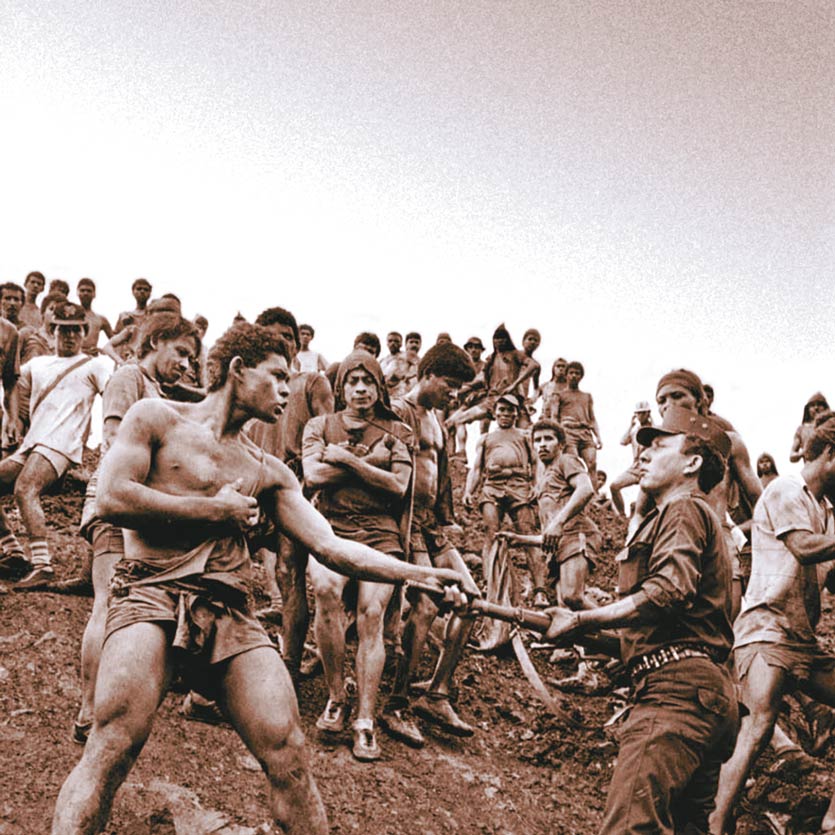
<point x="203" y="631"/>
<point x="427" y="537"/>
<point x="60" y="463"/>
<point x="578" y="438"/>
<point x="508" y="494"/>
<point x="106" y="539"/>
<point x="800" y="662"/>
<point x="577" y="544"/>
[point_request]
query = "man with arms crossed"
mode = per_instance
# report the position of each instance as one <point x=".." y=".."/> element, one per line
<point x="189" y="483"/>
<point x="359" y="462"/>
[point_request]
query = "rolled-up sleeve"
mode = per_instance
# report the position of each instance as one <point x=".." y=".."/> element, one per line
<point x="675" y="563"/>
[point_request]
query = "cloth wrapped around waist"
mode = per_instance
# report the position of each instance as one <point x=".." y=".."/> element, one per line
<point x="496" y="473"/>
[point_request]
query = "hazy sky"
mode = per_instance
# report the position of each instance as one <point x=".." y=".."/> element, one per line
<point x="650" y="184"/>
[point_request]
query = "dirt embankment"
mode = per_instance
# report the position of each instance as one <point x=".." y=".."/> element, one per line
<point x="524" y="771"/>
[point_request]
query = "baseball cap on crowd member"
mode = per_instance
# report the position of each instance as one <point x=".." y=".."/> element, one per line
<point x="475" y="342"/>
<point x="512" y="399"/>
<point x="642" y="406"/>
<point x="68" y="313"/>
<point x="678" y="421"/>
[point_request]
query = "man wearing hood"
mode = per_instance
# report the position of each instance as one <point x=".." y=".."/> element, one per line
<point x="359" y="461"/>
<point x="505" y="371"/>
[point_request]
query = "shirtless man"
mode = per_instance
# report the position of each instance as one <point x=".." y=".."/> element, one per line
<point x="766" y="469"/>
<point x="554" y="386"/>
<point x="141" y="289"/>
<point x="358" y="461"/>
<point x="574" y="411"/>
<point x="443" y="369"/>
<point x="167" y="343"/>
<point x="413" y="343"/>
<point x="186" y="483"/>
<point x="59" y="391"/>
<point x="815" y="406"/>
<point x="505" y="371"/>
<point x="684" y="388"/>
<point x="30" y="313"/>
<point x="96" y="323"/>
<point x="504" y="461"/>
<point x="563" y="491"/>
<point x="530" y="342"/>
<point x="641" y="417"/>
<point x="475" y="348"/>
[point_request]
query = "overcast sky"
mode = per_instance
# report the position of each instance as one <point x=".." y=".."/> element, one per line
<point x="649" y="184"/>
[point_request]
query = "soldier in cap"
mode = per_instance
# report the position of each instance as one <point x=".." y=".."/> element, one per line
<point x="674" y="616"/>
<point x="640" y="417"/>
<point x="58" y="391"/>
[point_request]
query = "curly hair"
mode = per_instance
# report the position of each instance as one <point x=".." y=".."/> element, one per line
<point x="165" y="326"/>
<point x="279" y="316"/>
<point x="444" y="359"/>
<point x="252" y="343"/>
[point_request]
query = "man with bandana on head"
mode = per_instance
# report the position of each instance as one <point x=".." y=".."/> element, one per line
<point x="683" y="388"/>
<point x="359" y="462"/>
<point x="505" y="371"/>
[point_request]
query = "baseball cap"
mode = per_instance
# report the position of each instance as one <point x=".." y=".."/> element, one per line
<point x="475" y="342"/>
<point x="678" y="421"/>
<point x="512" y="399"/>
<point x="642" y="406"/>
<point x="68" y="313"/>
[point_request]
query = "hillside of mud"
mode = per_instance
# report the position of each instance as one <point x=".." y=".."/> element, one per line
<point x="525" y="771"/>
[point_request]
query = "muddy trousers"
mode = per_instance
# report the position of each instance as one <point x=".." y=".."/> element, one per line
<point x="680" y="730"/>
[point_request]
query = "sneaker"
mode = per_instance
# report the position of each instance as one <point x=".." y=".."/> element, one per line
<point x="401" y="727"/>
<point x="333" y="718"/>
<point x="438" y="711"/>
<point x="80" y="732"/>
<point x="38" y="577"/>
<point x="366" y="748"/>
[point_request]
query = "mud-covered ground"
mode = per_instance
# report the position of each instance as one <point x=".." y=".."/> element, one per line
<point x="525" y="771"/>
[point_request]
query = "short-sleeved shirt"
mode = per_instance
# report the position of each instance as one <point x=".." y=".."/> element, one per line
<point x="310" y="361"/>
<point x="60" y="418"/>
<point x="555" y="482"/>
<point x="678" y="568"/>
<point x="128" y="385"/>
<point x="355" y="509"/>
<point x="33" y="342"/>
<point x="782" y="601"/>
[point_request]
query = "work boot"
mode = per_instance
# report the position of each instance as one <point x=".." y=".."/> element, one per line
<point x="435" y="708"/>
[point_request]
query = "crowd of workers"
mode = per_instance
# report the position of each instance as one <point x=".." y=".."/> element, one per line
<point x="336" y="477"/>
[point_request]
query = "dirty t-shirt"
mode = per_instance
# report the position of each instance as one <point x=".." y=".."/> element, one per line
<point x="782" y="602"/>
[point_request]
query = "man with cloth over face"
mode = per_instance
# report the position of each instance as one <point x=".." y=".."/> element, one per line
<point x="358" y="461"/>
<point x="674" y="614"/>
